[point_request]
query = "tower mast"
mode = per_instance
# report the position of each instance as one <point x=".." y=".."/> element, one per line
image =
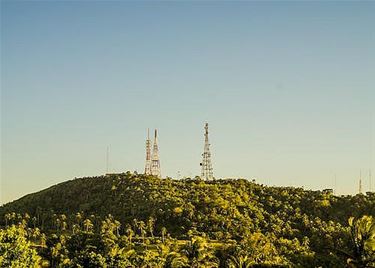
<point x="370" y="180"/>
<point x="148" y="154"/>
<point x="107" y="160"/>
<point x="360" y="182"/>
<point x="335" y="186"/>
<point x="155" y="163"/>
<point x="207" y="172"/>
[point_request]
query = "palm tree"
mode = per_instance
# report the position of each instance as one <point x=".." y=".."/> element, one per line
<point x="175" y="260"/>
<point x="57" y="222"/>
<point x="63" y="217"/>
<point x="34" y="219"/>
<point x="75" y="228"/>
<point x="142" y="226"/>
<point x="79" y="218"/>
<point x="62" y="222"/>
<point x="362" y="238"/>
<point x="150" y="226"/>
<point x="26" y="217"/>
<point x="198" y="253"/>
<point x="8" y="217"/>
<point x="120" y="257"/>
<point x="43" y="240"/>
<point x="130" y="233"/>
<point x="88" y="225"/>
<point x="239" y="261"/>
<point x="163" y="233"/>
<point x="117" y="226"/>
<point x="135" y="225"/>
<point x="13" y="216"/>
<point x="35" y="233"/>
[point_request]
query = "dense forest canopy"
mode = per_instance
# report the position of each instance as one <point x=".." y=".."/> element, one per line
<point x="131" y="220"/>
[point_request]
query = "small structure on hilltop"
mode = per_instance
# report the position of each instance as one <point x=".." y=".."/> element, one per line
<point x="328" y="191"/>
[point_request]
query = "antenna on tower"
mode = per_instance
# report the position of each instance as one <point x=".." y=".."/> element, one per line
<point x="335" y="185"/>
<point x="370" y="180"/>
<point x="107" y="160"/>
<point x="207" y="172"/>
<point x="360" y="182"/>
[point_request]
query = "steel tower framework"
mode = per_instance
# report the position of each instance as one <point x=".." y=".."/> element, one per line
<point x="207" y="172"/>
<point x="155" y="162"/>
<point x="148" y="154"/>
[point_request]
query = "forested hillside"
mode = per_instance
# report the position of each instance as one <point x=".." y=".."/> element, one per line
<point x="130" y="220"/>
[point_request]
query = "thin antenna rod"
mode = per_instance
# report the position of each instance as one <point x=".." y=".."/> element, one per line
<point x="335" y="186"/>
<point x="107" y="160"/>
<point x="370" y="180"/>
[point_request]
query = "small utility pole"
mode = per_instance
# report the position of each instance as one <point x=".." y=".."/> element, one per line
<point x="107" y="160"/>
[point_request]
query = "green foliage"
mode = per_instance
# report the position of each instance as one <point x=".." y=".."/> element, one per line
<point x="362" y="233"/>
<point x="131" y="220"/>
<point x="16" y="250"/>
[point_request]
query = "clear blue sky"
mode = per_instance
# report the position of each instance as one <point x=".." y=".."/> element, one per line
<point x="288" y="89"/>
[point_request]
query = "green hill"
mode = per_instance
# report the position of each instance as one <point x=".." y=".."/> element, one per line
<point x="190" y="202"/>
<point x="225" y="212"/>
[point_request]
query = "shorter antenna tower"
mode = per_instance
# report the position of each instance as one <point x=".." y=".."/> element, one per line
<point x="148" y="154"/>
<point x="207" y="172"/>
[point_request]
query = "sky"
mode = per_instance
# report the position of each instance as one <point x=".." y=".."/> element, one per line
<point x="288" y="90"/>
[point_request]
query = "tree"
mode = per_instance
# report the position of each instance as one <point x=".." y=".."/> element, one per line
<point x="8" y="217"/>
<point x="88" y="225"/>
<point x="108" y="227"/>
<point x="15" y="250"/>
<point x="175" y="260"/>
<point x="239" y="261"/>
<point x="163" y="233"/>
<point x="150" y="226"/>
<point x="362" y="234"/>
<point x="129" y="233"/>
<point x="120" y="257"/>
<point x="199" y="254"/>
<point x="142" y="229"/>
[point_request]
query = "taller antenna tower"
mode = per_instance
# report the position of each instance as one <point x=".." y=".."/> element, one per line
<point x="207" y="173"/>
<point x="360" y="182"/>
<point x="148" y="154"/>
<point x="155" y="163"/>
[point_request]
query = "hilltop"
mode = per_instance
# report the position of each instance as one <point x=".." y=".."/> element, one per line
<point x="127" y="196"/>
<point x="310" y="223"/>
